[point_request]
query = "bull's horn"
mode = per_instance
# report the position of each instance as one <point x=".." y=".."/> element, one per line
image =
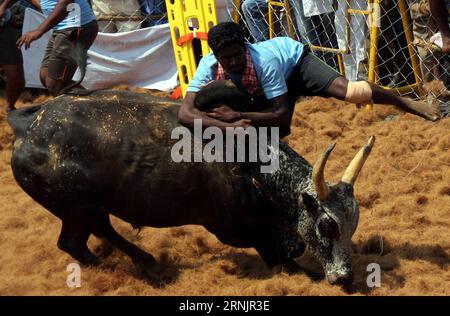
<point x="357" y="163"/>
<point x="318" y="178"/>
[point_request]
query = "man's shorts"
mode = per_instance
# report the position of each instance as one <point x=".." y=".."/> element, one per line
<point x="311" y="76"/>
<point x="59" y="46"/>
<point x="9" y="53"/>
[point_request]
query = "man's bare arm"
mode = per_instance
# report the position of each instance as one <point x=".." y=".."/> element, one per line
<point x="276" y="115"/>
<point x="188" y="113"/>
<point x="5" y="5"/>
<point x="58" y="14"/>
<point x="37" y="4"/>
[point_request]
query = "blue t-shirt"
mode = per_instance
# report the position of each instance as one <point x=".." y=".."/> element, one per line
<point x="274" y="61"/>
<point x="80" y="13"/>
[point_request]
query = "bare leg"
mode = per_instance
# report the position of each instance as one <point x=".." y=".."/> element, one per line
<point x="429" y="111"/>
<point x="338" y="89"/>
<point x="15" y="83"/>
<point x="43" y="74"/>
<point x="54" y="86"/>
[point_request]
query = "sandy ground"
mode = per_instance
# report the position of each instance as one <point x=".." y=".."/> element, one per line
<point x="403" y="191"/>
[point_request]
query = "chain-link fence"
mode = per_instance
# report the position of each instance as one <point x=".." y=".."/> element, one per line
<point x="383" y="41"/>
<point x="387" y="42"/>
<point x="128" y="15"/>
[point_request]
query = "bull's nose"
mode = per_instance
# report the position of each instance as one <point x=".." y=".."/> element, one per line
<point x="341" y="279"/>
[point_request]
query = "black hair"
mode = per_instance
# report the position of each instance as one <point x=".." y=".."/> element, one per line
<point x="225" y="34"/>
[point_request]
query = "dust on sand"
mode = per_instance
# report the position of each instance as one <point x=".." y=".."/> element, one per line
<point x="403" y="191"/>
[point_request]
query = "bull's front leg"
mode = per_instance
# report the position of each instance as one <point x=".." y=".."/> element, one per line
<point x="104" y="230"/>
<point x="75" y="232"/>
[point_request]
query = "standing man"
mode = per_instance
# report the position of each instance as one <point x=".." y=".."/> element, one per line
<point x="274" y="73"/>
<point x="440" y="11"/>
<point x="10" y="56"/>
<point x="314" y="19"/>
<point x="73" y="23"/>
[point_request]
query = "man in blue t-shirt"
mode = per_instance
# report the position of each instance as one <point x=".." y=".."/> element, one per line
<point x="74" y="30"/>
<point x="273" y="74"/>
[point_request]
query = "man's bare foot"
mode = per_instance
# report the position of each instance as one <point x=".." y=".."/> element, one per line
<point x="429" y="111"/>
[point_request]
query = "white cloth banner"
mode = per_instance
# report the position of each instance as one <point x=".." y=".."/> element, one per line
<point x="142" y="58"/>
<point x="33" y="56"/>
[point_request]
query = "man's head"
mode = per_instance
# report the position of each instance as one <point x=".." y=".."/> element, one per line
<point x="227" y="42"/>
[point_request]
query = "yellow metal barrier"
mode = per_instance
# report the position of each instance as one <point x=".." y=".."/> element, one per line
<point x="281" y="4"/>
<point x="407" y="26"/>
<point x="374" y="23"/>
<point x="189" y="20"/>
<point x="237" y="7"/>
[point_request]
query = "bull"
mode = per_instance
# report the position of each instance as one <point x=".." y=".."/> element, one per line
<point x="84" y="158"/>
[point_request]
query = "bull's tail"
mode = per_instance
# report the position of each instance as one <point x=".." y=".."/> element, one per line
<point x="21" y="119"/>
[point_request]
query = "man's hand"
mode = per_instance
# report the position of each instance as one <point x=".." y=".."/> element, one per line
<point x="242" y="123"/>
<point x="28" y="38"/>
<point x="224" y="114"/>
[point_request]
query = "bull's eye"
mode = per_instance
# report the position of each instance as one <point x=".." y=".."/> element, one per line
<point x="328" y="228"/>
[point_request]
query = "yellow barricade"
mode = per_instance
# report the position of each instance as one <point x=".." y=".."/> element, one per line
<point x="190" y="20"/>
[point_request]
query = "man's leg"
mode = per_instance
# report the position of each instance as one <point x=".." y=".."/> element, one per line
<point x="11" y="62"/>
<point x="439" y="11"/>
<point x="54" y="86"/>
<point x="15" y="83"/>
<point x="43" y="74"/>
<point x="61" y="62"/>
<point x="315" y="77"/>
<point x="339" y="89"/>
<point x="56" y="70"/>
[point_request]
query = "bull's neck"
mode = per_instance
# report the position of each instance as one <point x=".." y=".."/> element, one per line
<point x="285" y="185"/>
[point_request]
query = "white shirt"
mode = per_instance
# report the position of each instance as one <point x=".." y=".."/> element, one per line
<point x="315" y="7"/>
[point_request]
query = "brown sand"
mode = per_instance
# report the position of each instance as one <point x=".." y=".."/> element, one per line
<point x="403" y="191"/>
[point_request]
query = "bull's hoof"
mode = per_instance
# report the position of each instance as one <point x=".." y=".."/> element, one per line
<point x="145" y="265"/>
<point x="104" y="250"/>
<point x="80" y="253"/>
<point x="314" y="276"/>
<point x="144" y="261"/>
<point x="291" y="267"/>
<point x="86" y="258"/>
<point x="90" y="260"/>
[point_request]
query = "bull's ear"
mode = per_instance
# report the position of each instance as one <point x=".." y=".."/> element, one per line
<point x="310" y="203"/>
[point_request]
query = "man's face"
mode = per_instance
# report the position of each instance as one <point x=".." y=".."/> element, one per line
<point x="232" y="58"/>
